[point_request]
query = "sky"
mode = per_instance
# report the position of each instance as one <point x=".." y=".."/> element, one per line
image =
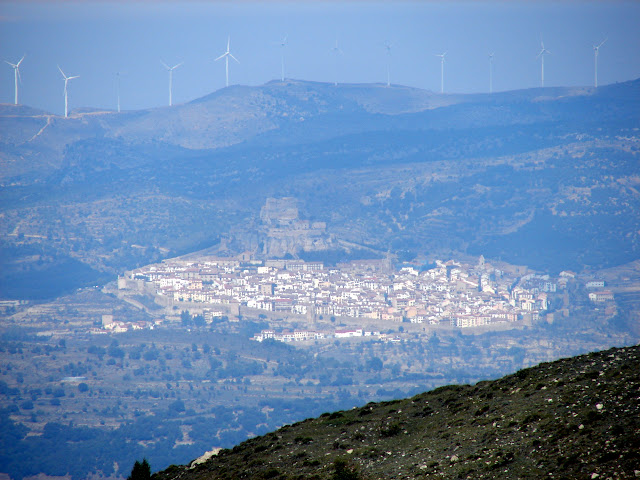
<point x="96" y="40"/>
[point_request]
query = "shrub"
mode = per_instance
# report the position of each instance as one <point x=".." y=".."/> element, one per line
<point x="342" y="471"/>
<point x="390" y="431"/>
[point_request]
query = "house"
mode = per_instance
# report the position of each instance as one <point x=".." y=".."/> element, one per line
<point x="602" y="296"/>
<point x="348" y="333"/>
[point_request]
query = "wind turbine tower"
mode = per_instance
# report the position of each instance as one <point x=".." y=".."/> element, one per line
<point x="596" y="50"/>
<point x="441" y="55"/>
<point x="226" y="56"/>
<point x="16" y="74"/>
<point x="170" y="70"/>
<point x="337" y="52"/>
<point x="491" y="72"/>
<point x="387" y="46"/>
<point x="543" y="52"/>
<point x="66" y="96"/>
<point x="282" y="44"/>
<point x="118" y="75"/>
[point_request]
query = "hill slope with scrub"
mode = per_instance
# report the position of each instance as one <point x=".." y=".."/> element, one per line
<point x="573" y="418"/>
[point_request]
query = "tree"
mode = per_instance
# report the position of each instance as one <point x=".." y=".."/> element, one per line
<point x="114" y="351"/>
<point x="375" y="364"/>
<point x="140" y="471"/>
<point x="177" y="406"/>
<point x="199" y="321"/>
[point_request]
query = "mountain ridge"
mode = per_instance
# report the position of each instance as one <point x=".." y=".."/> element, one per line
<point x="237" y="114"/>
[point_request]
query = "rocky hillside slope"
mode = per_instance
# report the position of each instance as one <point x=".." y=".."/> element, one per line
<point x="575" y="418"/>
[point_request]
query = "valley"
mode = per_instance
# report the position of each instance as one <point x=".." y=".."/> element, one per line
<point x="118" y="365"/>
<point x="144" y="254"/>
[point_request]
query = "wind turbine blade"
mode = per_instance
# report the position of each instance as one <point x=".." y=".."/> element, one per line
<point x="234" y="58"/>
<point x="65" y="77"/>
<point x="221" y="56"/>
<point x="176" y="66"/>
<point x="18" y="64"/>
<point x="228" y="43"/>
<point x="601" y="43"/>
<point x="165" y="65"/>
<point x="71" y="78"/>
<point x="13" y="65"/>
<point x="19" y="76"/>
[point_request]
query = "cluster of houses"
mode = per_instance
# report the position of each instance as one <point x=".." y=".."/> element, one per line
<point x="447" y="292"/>
<point x="599" y="295"/>
<point x="302" y="335"/>
<point x="117" y="326"/>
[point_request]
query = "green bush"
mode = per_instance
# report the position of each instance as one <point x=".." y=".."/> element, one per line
<point x="342" y="471"/>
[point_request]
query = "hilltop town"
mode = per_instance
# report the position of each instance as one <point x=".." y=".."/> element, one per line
<point x="368" y="296"/>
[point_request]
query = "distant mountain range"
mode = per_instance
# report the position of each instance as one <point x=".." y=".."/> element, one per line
<point x="546" y="177"/>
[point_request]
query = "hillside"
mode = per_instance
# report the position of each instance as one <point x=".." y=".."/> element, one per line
<point x="543" y="177"/>
<point x="573" y="418"/>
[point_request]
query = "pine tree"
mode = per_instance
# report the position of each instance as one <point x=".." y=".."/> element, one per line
<point x="140" y="471"/>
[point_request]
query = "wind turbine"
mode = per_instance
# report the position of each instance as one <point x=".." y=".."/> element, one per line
<point x="226" y="56"/>
<point x="16" y="74"/>
<point x="282" y="45"/>
<point x="441" y="55"/>
<point x="337" y="51"/>
<point x="543" y="52"/>
<point x="170" y="70"/>
<point x="66" y="81"/>
<point x="491" y="72"/>
<point x="596" y="50"/>
<point x="118" y="75"/>
<point x="387" y="47"/>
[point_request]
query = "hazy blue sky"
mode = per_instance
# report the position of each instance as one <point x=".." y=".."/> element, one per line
<point x="96" y="40"/>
